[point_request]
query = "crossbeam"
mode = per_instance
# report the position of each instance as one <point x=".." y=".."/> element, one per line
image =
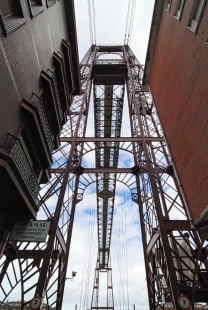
<point x="112" y="139"/>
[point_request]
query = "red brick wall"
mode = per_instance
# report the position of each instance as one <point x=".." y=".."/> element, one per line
<point x="179" y="84"/>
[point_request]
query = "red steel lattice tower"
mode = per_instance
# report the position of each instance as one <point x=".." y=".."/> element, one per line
<point x="174" y="252"/>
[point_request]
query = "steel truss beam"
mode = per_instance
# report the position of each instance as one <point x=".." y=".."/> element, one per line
<point x="108" y="108"/>
<point x="112" y="139"/>
<point x="174" y="251"/>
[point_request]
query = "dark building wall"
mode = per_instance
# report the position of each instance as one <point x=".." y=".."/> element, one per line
<point x="10" y="115"/>
<point x="179" y="86"/>
<point x="24" y="53"/>
<point x="30" y="124"/>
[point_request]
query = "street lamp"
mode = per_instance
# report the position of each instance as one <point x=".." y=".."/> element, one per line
<point x="74" y="273"/>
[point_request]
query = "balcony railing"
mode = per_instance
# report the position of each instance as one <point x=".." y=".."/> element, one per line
<point x="14" y="147"/>
<point x="54" y="81"/>
<point x="38" y="102"/>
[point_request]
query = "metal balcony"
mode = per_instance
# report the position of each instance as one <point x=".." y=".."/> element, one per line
<point x="19" y="172"/>
<point x="61" y="74"/>
<point x="56" y="91"/>
<point x="38" y="102"/>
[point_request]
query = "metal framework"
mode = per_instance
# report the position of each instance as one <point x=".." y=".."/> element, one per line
<point x="175" y="252"/>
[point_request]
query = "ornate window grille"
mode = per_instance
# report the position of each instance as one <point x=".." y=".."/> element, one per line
<point x="65" y="75"/>
<point x="54" y="81"/>
<point x="38" y="102"/>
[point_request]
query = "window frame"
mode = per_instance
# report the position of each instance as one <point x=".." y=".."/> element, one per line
<point x="168" y="5"/>
<point x="193" y="24"/>
<point x="179" y="9"/>
<point x="35" y="8"/>
<point x="13" y="21"/>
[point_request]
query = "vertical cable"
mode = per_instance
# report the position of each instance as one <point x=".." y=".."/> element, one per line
<point x="127" y="20"/>
<point x="90" y="21"/>
<point x="93" y="7"/>
<point x="132" y="22"/>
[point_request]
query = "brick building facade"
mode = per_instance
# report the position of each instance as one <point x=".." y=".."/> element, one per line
<point x="176" y="70"/>
<point x="39" y="75"/>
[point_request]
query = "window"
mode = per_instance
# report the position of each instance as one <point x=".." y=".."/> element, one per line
<point x="179" y="9"/>
<point x="35" y="7"/>
<point x="168" y="5"/>
<point x="196" y="15"/>
<point x="11" y="16"/>
<point x="50" y="2"/>
<point x="7" y="8"/>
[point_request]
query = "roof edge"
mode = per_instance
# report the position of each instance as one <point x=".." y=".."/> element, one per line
<point x="72" y="33"/>
<point x="202" y="219"/>
<point x="154" y="30"/>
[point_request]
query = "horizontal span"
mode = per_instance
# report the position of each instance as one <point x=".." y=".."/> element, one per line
<point x="97" y="170"/>
<point x="104" y="307"/>
<point x="106" y="170"/>
<point x="120" y="139"/>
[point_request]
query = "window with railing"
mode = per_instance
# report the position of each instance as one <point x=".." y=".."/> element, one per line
<point x="16" y="148"/>
<point x="179" y="9"/>
<point x="64" y="70"/>
<point x="50" y="2"/>
<point x="66" y="48"/>
<point x="35" y="7"/>
<point x="55" y="86"/>
<point x="11" y="16"/>
<point x="38" y="102"/>
<point x="196" y="14"/>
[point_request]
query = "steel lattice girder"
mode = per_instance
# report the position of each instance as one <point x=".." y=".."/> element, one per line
<point x="174" y="252"/>
<point x="108" y="108"/>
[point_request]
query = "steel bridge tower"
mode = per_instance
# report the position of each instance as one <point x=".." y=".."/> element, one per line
<point x="174" y="252"/>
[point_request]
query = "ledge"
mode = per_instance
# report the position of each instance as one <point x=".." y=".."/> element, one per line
<point x="202" y="219"/>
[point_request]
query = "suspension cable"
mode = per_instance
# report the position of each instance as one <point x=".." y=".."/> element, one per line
<point x="89" y="252"/>
<point x="127" y="20"/>
<point x="132" y="22"/>
<point x="91" y="15"/>
<point x="90" y="21"/>
<point x="93" y="7"/>
<point x="119" y="255"/>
